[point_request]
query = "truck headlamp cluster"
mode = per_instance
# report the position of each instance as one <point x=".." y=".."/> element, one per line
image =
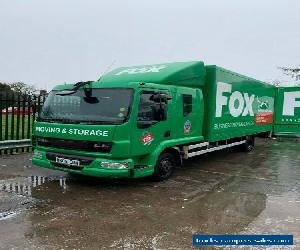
<point x="115" y="165"/>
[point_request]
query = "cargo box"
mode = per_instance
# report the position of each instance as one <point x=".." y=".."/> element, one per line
<point x="287" y="112"/>
<point x="236" y="105"/>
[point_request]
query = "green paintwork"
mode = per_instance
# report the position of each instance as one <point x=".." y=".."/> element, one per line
<point x="179" y="73"/>
<point x="287" y="124"/>
<point x="227" y="126"/>
<point x="174" y="79"/>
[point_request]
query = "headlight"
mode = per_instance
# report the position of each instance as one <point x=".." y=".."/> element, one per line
<point x="115" y="165"/>
<point x="37" y="155"/>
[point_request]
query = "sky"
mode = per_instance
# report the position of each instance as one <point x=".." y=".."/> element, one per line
<point x="50" y="42"/>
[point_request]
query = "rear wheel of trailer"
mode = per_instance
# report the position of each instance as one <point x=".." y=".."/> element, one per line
<point x="248" y="145"/>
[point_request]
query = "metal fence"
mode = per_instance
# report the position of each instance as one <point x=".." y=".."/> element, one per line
<point x="17" y="115"/>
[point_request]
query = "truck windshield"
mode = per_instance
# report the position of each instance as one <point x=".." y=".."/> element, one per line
<point x="101" y="106"/>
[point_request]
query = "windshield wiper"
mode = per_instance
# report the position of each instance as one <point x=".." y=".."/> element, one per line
<point x="60" y="120"/>
<point x="74" y="89"/>
<point x="45" y="120"/>
<point x="91" y="122"/>
<point x="70" y="121"/>
<point x="99" y="122"/>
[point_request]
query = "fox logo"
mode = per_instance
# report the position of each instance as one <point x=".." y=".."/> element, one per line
<point x="290" y="103"/>
<point x="141" y="70"/>
<point x="238" y="103"/>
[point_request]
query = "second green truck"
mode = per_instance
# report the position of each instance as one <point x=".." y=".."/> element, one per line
<point x="144" y="120"/>
<point x="287" y="106"/>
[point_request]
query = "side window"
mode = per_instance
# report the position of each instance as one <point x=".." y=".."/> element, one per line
<point x="151" y="109"/>
<point x="187" y="101"/>
<point x="146" y="110"/>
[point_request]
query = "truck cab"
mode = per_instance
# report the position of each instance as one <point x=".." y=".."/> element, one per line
<point x="133" y="122"/>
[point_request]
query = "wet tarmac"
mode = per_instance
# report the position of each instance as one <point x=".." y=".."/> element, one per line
<point x="219" y="193"/>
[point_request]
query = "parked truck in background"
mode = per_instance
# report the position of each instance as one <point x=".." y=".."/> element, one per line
<point x="144" y="120"/>
<point x="287" y="109"/>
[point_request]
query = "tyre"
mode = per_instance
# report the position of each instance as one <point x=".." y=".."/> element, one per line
<point x="249" y="145"/>
<point x="164" y="167"/>
<point x="265" y="134"/>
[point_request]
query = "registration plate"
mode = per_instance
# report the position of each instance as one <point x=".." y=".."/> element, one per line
<point x="66" y="161"/>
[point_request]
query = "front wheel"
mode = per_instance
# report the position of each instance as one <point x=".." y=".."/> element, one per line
<point x="164" y="167"/>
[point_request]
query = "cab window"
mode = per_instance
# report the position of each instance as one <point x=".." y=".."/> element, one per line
<point x="146" y="110"/>
<point x="187" y="104"/>
<point x="152" y="108"/>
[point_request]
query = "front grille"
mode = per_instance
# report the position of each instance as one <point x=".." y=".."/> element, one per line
<point x="88" y="146"/>
<point x="66" y="166"/>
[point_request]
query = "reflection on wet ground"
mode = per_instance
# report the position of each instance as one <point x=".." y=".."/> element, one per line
<point x="23" y="186"/>
<point x="223" y="192"/>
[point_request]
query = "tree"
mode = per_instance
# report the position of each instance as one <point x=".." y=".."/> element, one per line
<point x="293" y="72"/>
<point x="5" y="88"/>
<point x="22" y="88"/>
<point x="276" y="83"/>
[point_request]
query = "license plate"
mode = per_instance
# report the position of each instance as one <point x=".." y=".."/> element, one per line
<point x="66" y="161"/>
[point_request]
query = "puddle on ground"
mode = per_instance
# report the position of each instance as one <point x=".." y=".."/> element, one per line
<point x="16" y="194"/>
<point x="24" y="185"/>
<point x="7" y="215"/>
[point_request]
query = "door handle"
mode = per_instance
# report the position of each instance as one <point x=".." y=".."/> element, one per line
<point x="167" y="134"/>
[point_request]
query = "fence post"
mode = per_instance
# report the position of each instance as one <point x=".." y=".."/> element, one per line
<point x="12" y="123"/>
<point x="18" y="118"/>
<point x="23" y="117"/>
<point x="1" y="132"/>
<point x="6" y="119"/>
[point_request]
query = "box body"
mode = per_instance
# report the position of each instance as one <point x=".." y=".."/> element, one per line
<point x="287" y="112"/>
<point x="236" y="105"/>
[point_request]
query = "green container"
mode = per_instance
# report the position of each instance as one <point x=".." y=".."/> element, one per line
<point x="236" y="105"/>
<point x="287" y="112"/>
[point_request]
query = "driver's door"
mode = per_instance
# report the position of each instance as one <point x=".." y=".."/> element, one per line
<point x="145" y="140"/>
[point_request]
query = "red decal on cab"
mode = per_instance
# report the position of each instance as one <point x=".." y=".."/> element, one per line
<point x="147" y="138"/>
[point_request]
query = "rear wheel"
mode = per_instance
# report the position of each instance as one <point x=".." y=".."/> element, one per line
<point x="249" y="145"/>
<point x="164" y="167"/>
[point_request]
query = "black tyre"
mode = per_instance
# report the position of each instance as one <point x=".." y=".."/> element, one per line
<point x="249" y="145"/>
<point x="164" y="167"/>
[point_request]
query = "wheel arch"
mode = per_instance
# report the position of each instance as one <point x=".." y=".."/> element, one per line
<point x="175" y="151"/>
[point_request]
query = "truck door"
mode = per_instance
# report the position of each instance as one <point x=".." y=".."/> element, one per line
<point x="152" y="122"/>
<point x="189" y="115"/>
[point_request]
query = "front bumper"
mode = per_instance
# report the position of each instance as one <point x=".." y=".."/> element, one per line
<point x="94" y="168"/>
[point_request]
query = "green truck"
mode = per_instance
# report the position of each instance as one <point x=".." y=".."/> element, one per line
<point x="144" y="120"/>
<point x="287" y="112"/>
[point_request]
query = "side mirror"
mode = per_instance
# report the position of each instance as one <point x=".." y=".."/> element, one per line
<point x="160" y="112"/>
<point x="91" y="99"/>
<point x="158" y="97"/>
<point x="167" y="97"/>
<point x="65" y="92"/>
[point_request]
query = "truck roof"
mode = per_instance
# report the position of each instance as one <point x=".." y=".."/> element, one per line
<point x="186" y="74"/>
<point x="177" y="73"/>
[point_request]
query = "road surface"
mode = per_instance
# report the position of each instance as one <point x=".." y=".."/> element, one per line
<point x="220" y="193"/>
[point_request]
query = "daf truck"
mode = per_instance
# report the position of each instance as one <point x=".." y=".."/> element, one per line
<point x="287" y="112"/>
<point x="145" y="120"/>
